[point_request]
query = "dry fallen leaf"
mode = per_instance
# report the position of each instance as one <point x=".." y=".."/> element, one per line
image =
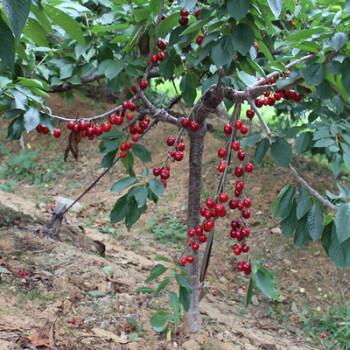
<point x="109" y="335"/>
<point x="40" y="338"/>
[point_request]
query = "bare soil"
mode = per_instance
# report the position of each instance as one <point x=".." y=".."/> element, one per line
<point x="56" y="305"/>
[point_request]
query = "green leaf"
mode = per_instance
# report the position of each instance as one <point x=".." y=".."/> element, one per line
<point x="345" y="70"/>
<point x="141" y="152"/>
<point x="303" y="142"/>
<point x="286" y="201"/>
<point x="119" y="210"/>
<point x="302" y="236"/>
<point x="108" y="270"/>
<point x="145" y="290"/>
<point x="289" y="224"/>
<point x="188" y="89"/>
<point x="242" y="38"/>
<point x="313" y="73"/>
<point x="184" y="297"/>
<point x="17" y="12"/>
<point x="133" y="213"/>
<point x="261" y="149"/>
<point x="238" y="9"/>
<point x="281" y="152"/>
<point x="221" y="53"/>
<point x="183" y="281"/>
<point x="140" y="193"/>
<point x="338" y="252"/>
<point x="162" y="258"/>
<point x="165" y="26"/>
<point x="315" y="222"/>
<point x="276" y="7"/>
<point x="15" y="129"/>
<point x="159" y="320"/>
<point x="162" y="285"/>
<point x="342" y="222"/>
<point x="304" y="203"/>
<point x="111" y="68"/>
<point x="156" y="271"/>
<point x="31" y="119"/>
<point x="7" y="46"/>
<point x="66" y="22"/>
<point x="265" y="282"/>
<point x="123" y="184"/>
<point x="108" y="159"/>
<point x="339" y="40"/>
<point x="249" y="294"/>
<point x="175" y="306"/>
<point x="154" y="6"/>
<point x="156" y="187"/>
<point x="128" y="163"/>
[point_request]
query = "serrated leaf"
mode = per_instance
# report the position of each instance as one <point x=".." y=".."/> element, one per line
<point x="304" y="203"/>
<point x="123" y="184"/>
<point x="288" y="225"/>
<point x="276" y="7"/>
<point x="285" y="202"/>
<point x="302" y="236"/>
<point x="221" y="53"/>
<point x="238" y="9"/>
<point x="141" y="152"/>
<point x="119" y="210"/>
<point x="156" y="271"/>
<point x="156" y="187"/>
<point x="265" y="282"/>
<point x="162" y="285"/>
<point x="303" y="142"/>
<point x="7" y="46"/>
<point x="249" y="294"/>
<point x="261" y="149"/>
<point x="281" y="152"/>
<point x="184" y="298"/>
<point x="31" y="119"/>
<point x="339" y="40"/>
<point x="159" y="320"/>
<point x="313" y="73"/>
<point x="242" y="38"/>
<point x="175" y="306"/>
<point x="17" y="12"/>
<point x="315" y="222"/>
<point x="133" y="212"/>
<point x="342" y="222"/>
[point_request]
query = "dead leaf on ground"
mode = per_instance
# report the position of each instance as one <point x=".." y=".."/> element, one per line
<point x="109" y="335"/>
<point x="40" y="338"/>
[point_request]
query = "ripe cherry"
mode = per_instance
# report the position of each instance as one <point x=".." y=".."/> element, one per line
<point x="135" y="137"/>
<point x="57" y="133"/>
<point x="198" y="12"/>
<point x="194" y="125"/>
<point x="71" y="125"/>
<point x="180" y="146"/>
<point x="195" y="246"/>
<point x="241" y="155"/>
<point x="246" y="213"/>
<point x="208" y="225"/>
<point x="271" y="101"/>
<point x="119" y="120"/>
<point x="232" y="204"/>
<point x="221" y="166"/>
<point x="245" y="248"/>
<point x="123" y="154"/>
<point x="244" y="130"/>
<point x="247" y="203"/>
<point x="272" y="80"/>
<point x="183" y="21"/>
<point x="199" y="230"/>
<point x="210" y="203"/>
<point x="202" y="238"/>
<point x="220" y="210"/>
<point x="259" y="102"/>
<point x="239" y="171"/>
<point x="185" y="122"/>
<point x="240" y="205"/>
<point x="235" y="145"/>
<point x="222" y="153"/>
<point x="190" y="259"/>
<point x="171" y="141"/>
<point x="239" y="186"/>
<point x="184" y="13"/>
<point x="227" y="129"/>
<point x="250" y="113"/>
<point x="249" y="167"/>
<point x="154" y="59"/>
<point x="238" y="124"/>
<point x="200" y="39"/>
<point x="191" y="233"/>
<point x="183" y="261"/>
<point x="162" y="44"/>
<point x="223" y="197"/>
<point x="143" y="84"/>
<point x="97" y="130"/>
<point x="106" y="127"/>
<point x="161" y="56"/>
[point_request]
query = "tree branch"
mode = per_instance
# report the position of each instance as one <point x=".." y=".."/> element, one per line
<point x="261" y="119"/>
<point x="310" y="189"/>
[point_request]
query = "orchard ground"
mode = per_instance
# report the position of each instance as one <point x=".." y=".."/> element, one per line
<point x="68" y="300"/>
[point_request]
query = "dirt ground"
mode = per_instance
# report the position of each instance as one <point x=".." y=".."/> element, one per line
<point x="56" y="295"/>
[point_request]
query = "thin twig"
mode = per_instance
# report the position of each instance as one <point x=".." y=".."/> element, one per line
<point x="310" y="189"/>
<point x="261" y="119"/>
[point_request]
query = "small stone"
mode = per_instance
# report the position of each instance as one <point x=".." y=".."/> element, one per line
<point x="276" y="231"/>
<point x="191" y="345"/>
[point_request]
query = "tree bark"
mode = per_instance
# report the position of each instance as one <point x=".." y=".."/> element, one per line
<point x="194" y="199"/>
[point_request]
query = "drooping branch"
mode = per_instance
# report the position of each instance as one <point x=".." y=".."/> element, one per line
<point x="310" y="189"/>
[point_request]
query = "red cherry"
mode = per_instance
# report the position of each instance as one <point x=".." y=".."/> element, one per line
<point x="245" y="248"/>
<point x="257" y="46"/>
<point x="164" y="173"/>
<point x="106" y="127"/>
<point x="125" y="105"/>
<point x="249" y="167"/>
<point x="245" y="232"/>
<point x="259" y="102"/>
<point x="156" y="171"/>
<point x="272" y="80"/>
<point x="244" y="130"/>
<point x="57" y="133"/>
<point x="199" y="230"/>
<point x="71" y="125"/>
<point x="236" y="145"/>
<point x="171" y="141"/>
<point x="223" y="197"/>
<point x="135" y="137"/>
<point x="220" y="210"/>
<point x="221" y="166"/>
<point x="246" y="213"/>
<point x="227" y="129"/>
<point x="154" y="59"/>
<point x="200" y="39"/>
<point x="271" y="101"/>
<point x="123" y="154"/>
<point x="90" y="131"/>
<point x="190" y="259"/>
<point x="194" y="125"/>
<point x="210" y="203"/>
<point x="277" y="96"/>
<point x="143" y="84"/>
<point x="250" y="113"/>
<point x="208" y="225"/>
<point x="240" y="205"/>
<point x="180" y="146"/>
<point x="202" y="238"/>
<point x="185" y="122"/>
<point x="238" y="124"/>
<point x="183" y="261"/>
<point x="97" y="130"/>
<point x="222" y="153"/>
<point x="191" y="233"/>
<point x="134" y="88"/>
<point x="178" y="156"/>
<point x="239" y="186"/>
<point x="247" y="203"/>
<point x="241" y="155"/>
<point x="161" y="56"/>
<point x="239" y="171"/>
<point x="132" y="106"/>
<point x="236" y="249"/>
<point x="232" y="204"/>
<point x="198" y="12"/>
<point x="162" y="44"/>
<point x="195" y="246"/>
<point x="184" y="13"/>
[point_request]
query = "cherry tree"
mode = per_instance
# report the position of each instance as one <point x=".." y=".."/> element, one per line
<point x="237" y="55"/>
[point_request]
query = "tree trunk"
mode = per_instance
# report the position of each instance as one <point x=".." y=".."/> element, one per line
<point x="194" y="199"/>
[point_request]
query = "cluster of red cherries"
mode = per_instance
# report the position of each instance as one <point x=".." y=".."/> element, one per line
<point x="269" y="98"/>
<point x="160" y="55"/>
